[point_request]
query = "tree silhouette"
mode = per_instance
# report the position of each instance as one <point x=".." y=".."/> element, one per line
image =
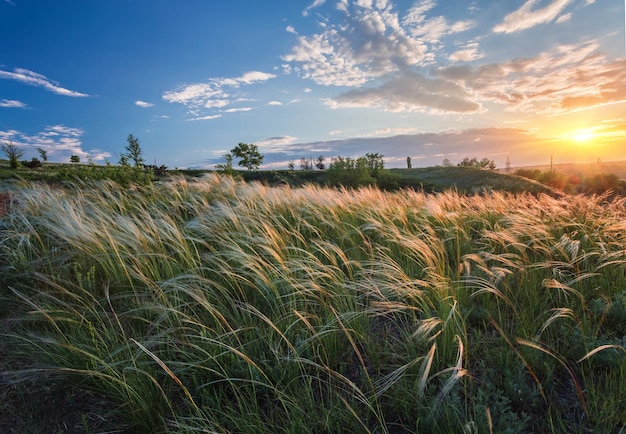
<point x="248" y="154"/>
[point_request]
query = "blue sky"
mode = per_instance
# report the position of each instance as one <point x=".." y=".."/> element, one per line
<point x="527" y="80"/>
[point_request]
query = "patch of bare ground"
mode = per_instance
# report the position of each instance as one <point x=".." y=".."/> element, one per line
<point x="6" y="199"/>
<point x="46" y="407"/>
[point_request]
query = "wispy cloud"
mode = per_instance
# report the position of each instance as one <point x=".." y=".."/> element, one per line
<point x="468" y="53"/>
<point x="215" y="93"/>
<point x="35" y="79"/>
<point x="205" y="118"/>
<point x="315" y="4"/>
<point x="527" y="17"/>
<point x="238" y="109"/>
<point x="11" y="103"/>
<point x="275" y="143"/>
<point x="143" y="104"/>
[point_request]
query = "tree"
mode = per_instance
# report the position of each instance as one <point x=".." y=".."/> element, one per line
<point x="227" y="166"/>
<point x="133" y="151"/>
<point x="350" y="172"/>
<point x="74" y="159"/>
<point x="124" y="160"/>
<point x="13" y="153"/>
<point x="291" y="165"/>
<point x="306" y="163"/>
<point x="485" y="163"/>
<point x="248" y="154"/>
<point x="320" y="162"/>
<point x="43" y="153"/>
<point x="408" y="163"/>
<point x="375" y="163"/>
<point x="32" y="164"/>
<point x="446" y="163"/>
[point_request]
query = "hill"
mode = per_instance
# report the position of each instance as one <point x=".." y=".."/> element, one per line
<point x="582" y="170"/>
<point x="466" y="180"/>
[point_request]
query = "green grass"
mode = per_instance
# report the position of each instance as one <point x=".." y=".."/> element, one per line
<point x="213" y="305"/>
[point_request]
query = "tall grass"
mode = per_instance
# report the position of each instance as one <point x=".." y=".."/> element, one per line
<point x="219" y="306"/>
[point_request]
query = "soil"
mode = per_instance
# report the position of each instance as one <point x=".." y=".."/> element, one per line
<point x="6" y="199"/>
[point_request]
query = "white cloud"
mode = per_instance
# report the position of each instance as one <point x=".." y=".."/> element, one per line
<point x="214" y="93"/>
<point x="143" y="104"/>
<point x="527" y="17"/>
<point x="372" y="41"/>
<point x="290" y="29"/>
<point x="255" y="76"/>
<point x="564" y="18"/>
<point x="275" y="143"/>
<point x="467" y="54"/>
<point x="434" y="28"/>
<point x="34" y="79"/>
<point x="11" y="103"/>
<point x="315" y="4"/>
<point x="369" y="43"/>
<point x="275" y="103"/>
<point x="206" y="118"/>
<point x="239" y="109"/>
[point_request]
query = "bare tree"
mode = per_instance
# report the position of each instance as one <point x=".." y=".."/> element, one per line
<point x="13" y="153"/>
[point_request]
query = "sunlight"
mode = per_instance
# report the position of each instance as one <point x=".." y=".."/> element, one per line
<point x="582" y="136"/>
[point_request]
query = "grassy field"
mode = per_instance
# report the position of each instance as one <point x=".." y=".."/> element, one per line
<point x="213" y="305"/>
<point x="583" y="169"/>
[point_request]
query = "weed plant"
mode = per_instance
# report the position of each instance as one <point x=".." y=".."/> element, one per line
<point x="214" y="305"/>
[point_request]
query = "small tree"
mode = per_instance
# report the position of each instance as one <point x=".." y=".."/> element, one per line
<point x="13" y="153"/>
<point x="408" y="163"/>
<point x="227" y="166"/>
<point x="32" y="164"/>
<point x="320" y="164"/>
<point x="248" y="154"/>
<point x="43" y="154"/>
<point x="306" y="164"/>
<point x="124" y="160"/>
<point x="291" y="165"/>
<point x="350" y="172"/>
<point x="74" y="159"/>
<point x="375" y="163"/>
<point x="485" y="163"/>
<point x="133" y="151"/>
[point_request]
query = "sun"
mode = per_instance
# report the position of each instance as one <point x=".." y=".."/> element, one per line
<point x="582" y="136"/>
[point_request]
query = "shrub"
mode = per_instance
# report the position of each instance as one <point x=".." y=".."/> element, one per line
<point x="32" y="164"/>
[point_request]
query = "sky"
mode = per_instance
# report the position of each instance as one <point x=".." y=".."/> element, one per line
<point x="523" y="81"/>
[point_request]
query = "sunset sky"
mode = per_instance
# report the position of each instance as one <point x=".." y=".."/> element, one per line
<point x="528" y="80"/>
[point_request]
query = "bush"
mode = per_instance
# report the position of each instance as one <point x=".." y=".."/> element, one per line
<point x="350" y="172"/>
<point x="32" y="164"/>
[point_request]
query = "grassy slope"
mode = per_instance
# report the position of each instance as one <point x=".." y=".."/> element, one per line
<point x="431" y="179"/>
<point x="215" y="305"/>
